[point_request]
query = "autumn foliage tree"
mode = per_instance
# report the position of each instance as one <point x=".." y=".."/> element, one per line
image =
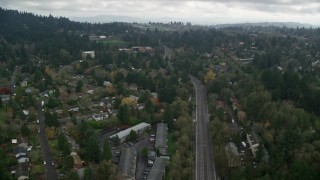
<point x="209" y="77"/>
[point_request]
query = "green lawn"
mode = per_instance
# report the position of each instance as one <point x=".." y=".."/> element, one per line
<point x="35" y="156"/>
<point x="52" y="143"/>
<point x="171" y="148"/>
<point x="37" y="170"/>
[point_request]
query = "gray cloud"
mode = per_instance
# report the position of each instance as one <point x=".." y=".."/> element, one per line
<point x="229" y="10"/>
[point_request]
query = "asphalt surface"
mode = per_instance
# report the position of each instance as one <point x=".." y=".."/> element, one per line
<point x="204" y="164"/>
<point x="13" y="79"/>
<point x="50" y="169"/>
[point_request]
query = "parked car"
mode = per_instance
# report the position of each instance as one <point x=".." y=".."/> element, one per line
<point x="147" y="169"/>
<point x="150" y="163"/>
<point x="117" y="153"/>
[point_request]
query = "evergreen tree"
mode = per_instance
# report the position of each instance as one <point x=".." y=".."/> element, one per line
<point x="168" y="117"/>
<point x="79" y="86"/>
<point x="68" y="163"/>
<point x="106" y="170"/>
<point x="106" y="153"/>
<point x="123" y="114"/>
<point x="92" y="150"/>
<point x="61" y="141"/>
<point x="25" y="130"/>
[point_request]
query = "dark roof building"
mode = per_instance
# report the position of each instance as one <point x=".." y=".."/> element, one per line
<point x="127" y="164"/>
<point x="158" y="169"/>
<point x="161" y="138"/>
<point x="19" y="151"/>
<point x="21" y="171"/>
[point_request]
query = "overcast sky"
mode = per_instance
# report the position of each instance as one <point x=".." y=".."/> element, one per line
<point x="206" y="11"/>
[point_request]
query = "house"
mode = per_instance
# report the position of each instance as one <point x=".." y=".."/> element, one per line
<point x="142" y="49"/>
<point x="4" y="90"/>
<point x="235" y="103"/>
<point x="29" y="90"/>
<point x="139" y="128"/>
<point x="127" y="164"/>
<point x="161" y="138"/>
<point x="77" y="163"/>
<point x="219" y="104"/>
<point x="99" y="117"/>
<point x="158" y="170"/>
<point x="133" y="87"/>
<point x="14" y="141"/>
<point x="74" y="109"/>
<point x="245" y="60"/>
<point x="25" y="146"/>
<point x="85" y="54"/>
<point x="233" y="155"/>
<point x="253" y="140"/>
<point x="24" y="83"/>
<point x="21" y="171"/>
<point x="90" y="91"/>
<point x="25" y="112"/>
<point x="106" y="83"/>
<point x="5" y="98"/>
<point x="19" y="151"/>
<point x="153" y="94"/>
<point x="23" y="158"/>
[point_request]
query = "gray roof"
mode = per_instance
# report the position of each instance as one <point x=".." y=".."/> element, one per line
<point x="19" y="150"/>
<point x="161" y="138"/>
<point x="21" y="169"/>
<point x="158" y="169"/>
<point x="127" y="164"/>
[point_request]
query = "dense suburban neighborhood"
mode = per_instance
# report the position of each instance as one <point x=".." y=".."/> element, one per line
<point x="157" y="100"/>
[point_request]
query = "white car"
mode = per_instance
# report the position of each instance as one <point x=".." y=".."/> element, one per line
<point x="44" y="162"/>
<point x="52" y="163"/>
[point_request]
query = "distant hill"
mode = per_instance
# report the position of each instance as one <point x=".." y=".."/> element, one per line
<point x="107" y="19"/>
<point x="267" y="24"/>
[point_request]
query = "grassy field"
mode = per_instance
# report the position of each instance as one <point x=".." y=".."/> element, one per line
<point x="37" y="170"/>
<point x="35" y="156"/>
<point x="53" y="143"/>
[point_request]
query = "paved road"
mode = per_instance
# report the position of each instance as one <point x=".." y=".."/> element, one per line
<point x="13" y="79"/>
<point x="50" y="169"/>
<point x="204" y="165"/>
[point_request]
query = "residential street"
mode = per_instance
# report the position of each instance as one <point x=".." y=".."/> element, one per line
<point x="204" y="163"/>
<point x="50" y="169"/>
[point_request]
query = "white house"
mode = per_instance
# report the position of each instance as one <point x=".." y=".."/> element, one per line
<point x="23" y="159"/>
<point x="84" y="54"/>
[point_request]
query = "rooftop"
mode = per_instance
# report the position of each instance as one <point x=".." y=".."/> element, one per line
<point x="161" y="138"/>
<point x="158" y="169"/>
<point x="127" y="164"/>
<point x="136" y="128"/>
